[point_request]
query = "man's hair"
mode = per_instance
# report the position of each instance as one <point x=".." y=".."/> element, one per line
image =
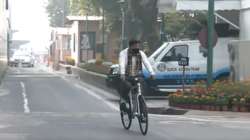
<point x="133" y="41"/>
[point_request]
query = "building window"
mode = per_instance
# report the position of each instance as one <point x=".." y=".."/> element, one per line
<point x="74" y="42"/>
<point x="7" y="4"/>
<point x="68" y="42"/>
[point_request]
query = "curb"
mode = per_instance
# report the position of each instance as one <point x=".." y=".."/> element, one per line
<point x="84" y="70"/>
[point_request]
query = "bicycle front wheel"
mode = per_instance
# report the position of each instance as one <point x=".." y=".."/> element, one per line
<point x="143" y="116"/>
<point x="126" y="116"/>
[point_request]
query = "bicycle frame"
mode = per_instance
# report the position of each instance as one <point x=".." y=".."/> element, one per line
<point x="139" y="93"/>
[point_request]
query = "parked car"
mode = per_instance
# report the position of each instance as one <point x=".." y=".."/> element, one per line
<point x="113" y="77"/>
<point x="24" y="60"/>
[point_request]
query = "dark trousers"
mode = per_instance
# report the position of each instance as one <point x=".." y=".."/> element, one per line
<point x="125" y="86"/>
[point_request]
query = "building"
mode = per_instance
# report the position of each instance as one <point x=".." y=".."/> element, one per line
<point x="60" y="47"/>
<point x="86" y="37"/>
<point x="4" y="35"/>
<point x="81" y="40"/>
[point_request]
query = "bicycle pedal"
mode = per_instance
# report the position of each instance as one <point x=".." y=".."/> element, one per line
<point x="136" y="114"/>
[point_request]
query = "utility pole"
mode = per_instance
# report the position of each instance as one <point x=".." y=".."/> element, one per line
<point x="87" y="29"/>
<point x="63" y="12"/>
<point x="103" y="30"/>
<point x="122" y="4"/>
<point x="210" y="43"/>
<point x="123" y="28"/>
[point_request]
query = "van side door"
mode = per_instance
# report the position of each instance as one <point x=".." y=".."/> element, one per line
<point x="168" y="71"/>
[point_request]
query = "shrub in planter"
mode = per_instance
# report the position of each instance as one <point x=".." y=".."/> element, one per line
<point x="99" y="62"/>
<point x="235" y="104"/>
<point x="243" y="107"/>
<point x="70" y="61"/>
<point x="196" y="102"/>
<point x="204" y="101"/>
<point x="211" y="101"/>
<point x="220" y="96"/>
<point x="222" y="104"/>
<point x="175" y="99"/>
<point x="248" y="102"/>
<point x="172" y="100"/>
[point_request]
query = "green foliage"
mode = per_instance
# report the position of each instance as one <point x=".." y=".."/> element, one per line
<point x="141" y="16"/>
<point x="70" y="61"/>
<point x="222" y="93"/>
<point x="57" y="11"/>
<point x="183" y="24"/>
<point x="83" y="7"/>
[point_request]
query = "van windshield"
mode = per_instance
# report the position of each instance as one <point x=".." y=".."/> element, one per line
<point x="159" y="51"/>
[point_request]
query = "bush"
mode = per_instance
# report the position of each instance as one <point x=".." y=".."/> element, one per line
<point x="223" y="93"/>
<point x="99" y="62"/>
<point x="70" y="61"/>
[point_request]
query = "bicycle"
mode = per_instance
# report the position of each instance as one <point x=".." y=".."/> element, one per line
<point x="136" y="108"/>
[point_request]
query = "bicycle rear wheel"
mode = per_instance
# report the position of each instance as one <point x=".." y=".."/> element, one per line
<point x="143" y="116"/>
<point x="126" y="116"/>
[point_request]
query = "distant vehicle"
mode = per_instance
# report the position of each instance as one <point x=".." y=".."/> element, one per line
<point x="113" y="77"/>
<point x="24" y="60"/>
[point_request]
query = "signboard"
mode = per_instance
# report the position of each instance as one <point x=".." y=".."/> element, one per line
<point x="203" y="37"/>
<point x="184" y="61"/>
<point x="84" y="41"/>
<point x="87" y="40"/>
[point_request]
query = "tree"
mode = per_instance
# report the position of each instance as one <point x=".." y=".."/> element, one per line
<point x="57" y="11"/>
<point x="143" y="21"/>
<point x="141" y="16"/>
<point x="96" y="7"/>
<point x="183" y="24"/>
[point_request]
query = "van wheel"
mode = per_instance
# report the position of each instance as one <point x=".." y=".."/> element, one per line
<point x="146" y="90"/>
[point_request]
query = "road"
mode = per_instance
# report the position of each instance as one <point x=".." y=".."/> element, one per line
<point x="39" y="105"/>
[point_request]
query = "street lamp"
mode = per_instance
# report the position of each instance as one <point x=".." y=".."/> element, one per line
<point x="122" y="3"/>
<point x="103" y="31"/>
<point x="87" y="29"/>
<point x="210" y="43"/>
<point x="160" y="20"/>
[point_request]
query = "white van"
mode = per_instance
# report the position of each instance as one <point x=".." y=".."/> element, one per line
<point x="169" y="74"/>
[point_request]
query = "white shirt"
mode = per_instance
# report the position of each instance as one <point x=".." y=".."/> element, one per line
<point x="123" y="61"/>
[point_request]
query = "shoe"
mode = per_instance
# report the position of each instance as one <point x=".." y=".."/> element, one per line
<point x="123" y="107"/>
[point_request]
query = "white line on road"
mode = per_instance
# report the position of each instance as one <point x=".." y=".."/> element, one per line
<point x="25" y="99"/>
<point x="202" y="119"/>
<point x="33" y="76"/>
<point x="88" y="91"/>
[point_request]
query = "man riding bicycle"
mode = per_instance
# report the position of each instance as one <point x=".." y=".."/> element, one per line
<point x="131" y="61"/>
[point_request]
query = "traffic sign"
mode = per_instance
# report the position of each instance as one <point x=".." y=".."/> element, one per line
<point x="184" y="61"/>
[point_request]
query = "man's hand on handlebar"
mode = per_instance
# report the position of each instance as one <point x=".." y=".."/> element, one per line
<point x="152" y="77"/>
<point x="122" y="76"/>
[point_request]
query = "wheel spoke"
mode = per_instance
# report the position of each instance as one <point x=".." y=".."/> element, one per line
<point x="143" y="119"/>
<point x="125" y="117"/>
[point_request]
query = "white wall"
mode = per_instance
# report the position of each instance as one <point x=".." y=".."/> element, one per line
<point x="4" y="29"/>
<point x="74" y="41"/>
<point x="245" y="20"/>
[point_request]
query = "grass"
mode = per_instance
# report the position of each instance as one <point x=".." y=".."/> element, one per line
<point x="98" y="68"/>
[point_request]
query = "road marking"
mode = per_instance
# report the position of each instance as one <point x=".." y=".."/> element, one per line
<point x="88" y="91"/>
<point x="32" y="76"/>
<point x="198" y="118"/>
<point x="99" y="90"/>
<point x="25" y="99"/>
<point x="18" y="71"/>
<point x="3" y="91"/>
